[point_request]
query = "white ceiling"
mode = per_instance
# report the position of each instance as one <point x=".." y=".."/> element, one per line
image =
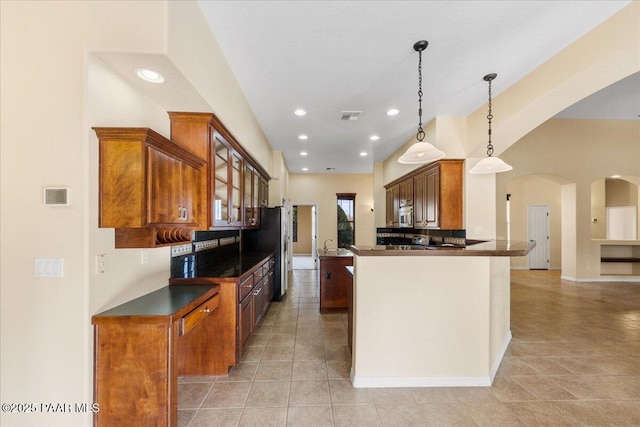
<point x="330" y="56"/>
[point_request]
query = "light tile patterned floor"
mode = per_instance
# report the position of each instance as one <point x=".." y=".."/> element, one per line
<point x="574" y="360"/>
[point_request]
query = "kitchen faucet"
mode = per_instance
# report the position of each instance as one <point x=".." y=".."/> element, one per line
<point x="325" y="244"/>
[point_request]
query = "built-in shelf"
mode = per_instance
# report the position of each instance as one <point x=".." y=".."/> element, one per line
<point x="620" y="259"/>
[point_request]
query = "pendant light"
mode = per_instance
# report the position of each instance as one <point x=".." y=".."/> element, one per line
<point x="490" y="164"/>
<point x="420" y="152"/>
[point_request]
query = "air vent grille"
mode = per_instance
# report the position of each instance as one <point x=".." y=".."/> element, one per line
<point x="351" y="115"/>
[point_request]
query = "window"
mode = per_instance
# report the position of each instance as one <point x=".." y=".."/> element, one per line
<point x="346" y="219"/>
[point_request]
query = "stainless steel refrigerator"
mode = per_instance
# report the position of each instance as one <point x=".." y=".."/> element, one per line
<point x="272" y="236"/>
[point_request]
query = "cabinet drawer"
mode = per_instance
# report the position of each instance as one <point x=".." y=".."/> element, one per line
<point x="245" y="287"/>
<point x="272" y="263"/>
<point x="265" y="268"/>
<point x="190" y="320"/>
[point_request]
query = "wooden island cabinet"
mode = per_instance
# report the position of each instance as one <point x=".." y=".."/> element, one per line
<point x="335" y="279"/>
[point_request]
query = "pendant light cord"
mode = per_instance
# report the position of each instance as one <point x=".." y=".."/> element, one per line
<point x="420" y="135"/>
<point x="489" y="117"/>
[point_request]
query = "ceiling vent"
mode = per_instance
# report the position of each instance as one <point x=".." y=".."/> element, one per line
<point x="351" y="115"/>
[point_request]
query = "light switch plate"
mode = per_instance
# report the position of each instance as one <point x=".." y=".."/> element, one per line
<point x="49" y="267"/>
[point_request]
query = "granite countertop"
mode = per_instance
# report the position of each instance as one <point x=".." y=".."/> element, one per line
<point x="333" y="253"/>
<point x="490" y="248"/>
<point x="166" y="301"/>
<point x="233" y="267"/>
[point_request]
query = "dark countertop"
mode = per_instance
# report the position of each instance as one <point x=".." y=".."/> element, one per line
<point x="334" y="253"/>
<point x="166" y="301"/>
<point x="226" y="268"/>
<point x="490" y="248"/>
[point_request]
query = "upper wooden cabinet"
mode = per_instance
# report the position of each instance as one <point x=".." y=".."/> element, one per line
<point x="393" y="205"/>
<point x="437" y="195"/>
<point x="406" y="192"/>
<point x="233" y="190"/>
<point x="150" y="188"/>
<point x="264" y="192"/>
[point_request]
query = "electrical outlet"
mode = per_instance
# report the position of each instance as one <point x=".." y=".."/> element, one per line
<point x="144" y="256"/>
<point x="101" y="263"/>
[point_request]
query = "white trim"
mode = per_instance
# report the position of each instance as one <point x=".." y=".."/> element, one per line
<point x="604" y="279"/>
<point x="384" y="382"/>
<point x="500" y="356"/>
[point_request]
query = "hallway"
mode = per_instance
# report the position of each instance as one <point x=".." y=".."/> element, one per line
<point x="574" y="360"/>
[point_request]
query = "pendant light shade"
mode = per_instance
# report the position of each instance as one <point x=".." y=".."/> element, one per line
<point x="420" y="152"/>
<point x="490" y="164"/>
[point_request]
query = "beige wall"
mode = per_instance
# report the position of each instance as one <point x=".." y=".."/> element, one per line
<point x="608" y="53"/>
<point x="535" y="190"/>
<point x="321" y="189"/>
<point x="572" y="149"/>
<point x="53" y="91"/>
<point x="303" y="245"/>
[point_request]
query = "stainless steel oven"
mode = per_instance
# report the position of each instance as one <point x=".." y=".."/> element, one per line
<point x="406" y="216"/>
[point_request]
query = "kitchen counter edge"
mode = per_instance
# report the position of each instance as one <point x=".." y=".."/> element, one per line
<point x="490" y="248"/>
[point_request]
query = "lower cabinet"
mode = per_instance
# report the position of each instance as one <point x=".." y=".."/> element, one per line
<point x="246" y="320"/>
<point x="334" y="282"/>
<point x="142" y="346"/>
<point x="254" y="304"/>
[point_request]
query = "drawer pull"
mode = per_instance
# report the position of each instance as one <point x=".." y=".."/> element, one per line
<point x="190" y="320"/>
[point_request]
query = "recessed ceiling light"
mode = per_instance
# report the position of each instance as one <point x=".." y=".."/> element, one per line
<point x="392" y="112"/>
<point x="149" y="75"/>
<point x="305" y="169"/>
<point x="299" y="112"/>
<point x="374" y="137"/>
<point x="364" y="153"/>
<point x="303" y="153"/>
<point x="303" y="137"/>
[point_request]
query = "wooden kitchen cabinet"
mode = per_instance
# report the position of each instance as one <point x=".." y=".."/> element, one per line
<point x="393" y="206"/>
<point x="264" y="192"/>
<point x="150" y="188"/>
<point x="335" y="281"/>
<point x="233" y="194"/>
<point x="251" y="197"/>
<point x="406" y="192"/>
<point x="241" y="309"/>
<point x="437" y="195"/>
<point x="140" y="348"/>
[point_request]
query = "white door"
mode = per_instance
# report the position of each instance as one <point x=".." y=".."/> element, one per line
<point x="539" y="232"/>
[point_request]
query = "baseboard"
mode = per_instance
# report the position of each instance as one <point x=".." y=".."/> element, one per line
<point x="604" y="279"/>
<point x="500" y="356"/>
<point x="387" y="382"/>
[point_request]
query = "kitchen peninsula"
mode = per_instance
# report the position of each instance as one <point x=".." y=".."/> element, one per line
<point x="431" y="316"/>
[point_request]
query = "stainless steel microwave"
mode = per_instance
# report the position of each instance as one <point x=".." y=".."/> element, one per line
<point x="406" y="216"/>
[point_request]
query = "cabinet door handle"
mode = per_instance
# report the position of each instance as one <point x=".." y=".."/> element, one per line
<point x="327" y="275"/>
<point x="257" y="292"/>
<point x="206" y="310"/>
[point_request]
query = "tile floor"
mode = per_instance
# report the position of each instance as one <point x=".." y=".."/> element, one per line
<point x="574" y="361"/>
